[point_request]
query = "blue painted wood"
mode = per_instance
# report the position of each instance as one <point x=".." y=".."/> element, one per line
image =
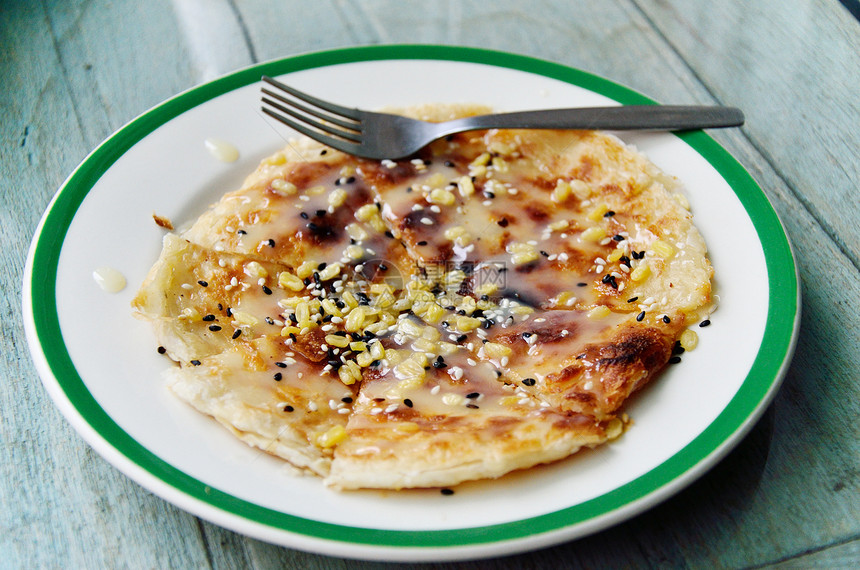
<point x="75" y="71"/>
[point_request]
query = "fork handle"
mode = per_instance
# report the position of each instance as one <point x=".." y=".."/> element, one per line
<point x="628" y="117"/>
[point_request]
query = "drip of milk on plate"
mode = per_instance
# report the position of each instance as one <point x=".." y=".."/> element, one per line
<point x="221" y="149"/>
<point x="109" y="279"/>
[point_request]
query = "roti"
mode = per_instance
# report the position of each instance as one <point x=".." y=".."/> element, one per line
<point x="485" y="306"/>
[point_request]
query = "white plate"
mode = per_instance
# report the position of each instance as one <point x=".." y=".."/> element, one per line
<point x="101" y="368"/>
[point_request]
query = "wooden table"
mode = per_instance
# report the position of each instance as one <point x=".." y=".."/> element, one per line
<point x="789" y="494"/>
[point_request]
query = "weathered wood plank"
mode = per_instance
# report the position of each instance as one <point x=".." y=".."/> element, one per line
<point x="794" y="67"/>
<point x="838" y="556"/>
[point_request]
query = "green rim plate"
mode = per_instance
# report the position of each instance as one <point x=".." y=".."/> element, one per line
<point x="74" y="399"/>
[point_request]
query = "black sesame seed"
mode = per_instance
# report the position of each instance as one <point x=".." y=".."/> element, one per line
<point x="388" y="234"/>
<point x="383" y="267"/>
<point x="229" y="312"/>
<point x="447" y="492"/>
<point x="618" y="237"/>
<point x="195" y="362"/>
<point x="270" y="242"/>
<point x="313" y="227"/>
<point x="293" y="337"/>
<point x="236" y="334"/>
<point x="503" y="222"/>
<point x="422" y="242"/>
<point x="270" y="321"/>
<point x="346" y="399"/>
<point x="529" y="382"/>
<point x="288" y="408"/>
<point x="609" y="214"/>
<point x="705" y="323"/>
<point x="632" y="299"/>
<point x="350" y="180"/>
<point x="203" y="283"/>
<point x="278" y="376"/>
<point x="407" y="402"/>
<point x="473" y="395"/>
<point x="266" y="290"/>
<point x="322" y="266"/>
<point x="485" y="297"/>
<point x="161" y="350"/>
<point x="293" y="318"/>
<point x="304" y="216"/>
<point x="472" y="406"/>
<point x="675" y="360"/>
<point x="281" y="364"/>
<point x="581" y="284"/>
<point x="640" y="316"/>
<point x="449" y="164"/>
<point x="214" y="328"/>
<point x="666" y="319"/>
<point x="462" y="338"/>
<point x="241" y="232"/>
<point x="543" y="253"/>
<point x="209" y="318"/>
<point x="320" y="213"/>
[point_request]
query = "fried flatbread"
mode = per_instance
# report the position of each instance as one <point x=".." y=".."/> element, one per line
<point x="486" y="306"/>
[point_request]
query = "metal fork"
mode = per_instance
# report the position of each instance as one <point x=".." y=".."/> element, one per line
<point x="381" y="135"/>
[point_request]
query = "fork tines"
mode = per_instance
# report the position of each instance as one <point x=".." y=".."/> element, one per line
<point x="337" y="126"/>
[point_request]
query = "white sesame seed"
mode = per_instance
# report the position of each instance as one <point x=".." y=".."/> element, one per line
<point x="427" y="221"/>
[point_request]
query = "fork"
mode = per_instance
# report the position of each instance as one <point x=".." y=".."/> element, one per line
<point x="380" y="136"/>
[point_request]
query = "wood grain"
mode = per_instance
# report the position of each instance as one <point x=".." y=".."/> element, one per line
<point x="788" y="495"/>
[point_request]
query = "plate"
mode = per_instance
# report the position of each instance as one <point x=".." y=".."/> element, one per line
<point x="101" y="368"/>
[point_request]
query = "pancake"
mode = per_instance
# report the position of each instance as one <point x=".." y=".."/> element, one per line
<point x="487" y="305"/>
